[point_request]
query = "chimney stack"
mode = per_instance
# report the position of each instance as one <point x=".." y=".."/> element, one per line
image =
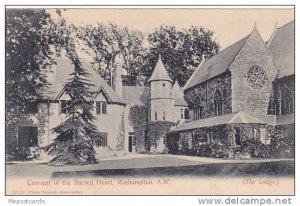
<point x="117" y="75"/>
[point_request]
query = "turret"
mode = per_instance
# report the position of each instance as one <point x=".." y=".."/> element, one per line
<point x="161" y="93"/>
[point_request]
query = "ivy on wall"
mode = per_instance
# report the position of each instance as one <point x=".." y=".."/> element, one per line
<point x="219" y="142"/>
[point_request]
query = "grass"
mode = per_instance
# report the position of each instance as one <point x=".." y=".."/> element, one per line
<point x="155" y="166"/>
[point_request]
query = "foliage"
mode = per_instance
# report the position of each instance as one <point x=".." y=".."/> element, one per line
<point x="138" y="120"/>
<point x="77" y="134"/>
<point x="104" y="42"/>
<point x="28" y="55"/>
<point x="181" y="50"/>
<point x="215" y="149"/>
<point x="282" y="144"/>
<point x="22" y="154"/>
<point x="253" y="147"/>
<point x="158" y="129"/>
<point x="121" y="136"/>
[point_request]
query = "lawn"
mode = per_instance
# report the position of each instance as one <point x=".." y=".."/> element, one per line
<point x="156" y="165"/>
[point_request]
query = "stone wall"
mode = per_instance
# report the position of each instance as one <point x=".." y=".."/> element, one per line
<point x="205" y="93"/>
<point x="245" y="97"/>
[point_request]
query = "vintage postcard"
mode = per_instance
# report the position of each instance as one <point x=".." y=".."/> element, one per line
<point x="150" y="101"/>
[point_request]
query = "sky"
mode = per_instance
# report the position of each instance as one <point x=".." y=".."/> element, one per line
<point x="229" y="25"/>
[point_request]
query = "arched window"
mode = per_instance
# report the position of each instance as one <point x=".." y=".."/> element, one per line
<point x="197" y="109"/>
<point x="186" y="114"/>
<point x="287" y="102"/>
<point x="218" y="103"/>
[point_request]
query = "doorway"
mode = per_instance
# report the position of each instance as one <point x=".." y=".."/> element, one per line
<point x="131" y="142"/>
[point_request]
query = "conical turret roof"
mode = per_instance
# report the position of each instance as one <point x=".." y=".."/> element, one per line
<point x="160" y="72"/>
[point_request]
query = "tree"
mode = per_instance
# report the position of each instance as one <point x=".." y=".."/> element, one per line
<point x="28" y="55"/>
<point x="104" y="42"/>
<point x="77" y="134"/>
<point x="181" y="50"/>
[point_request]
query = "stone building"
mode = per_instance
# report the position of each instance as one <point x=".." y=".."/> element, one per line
<point x="246" y="91"/>
<point x="111" y="109"/>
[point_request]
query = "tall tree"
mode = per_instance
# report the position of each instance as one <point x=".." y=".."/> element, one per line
<point x="77" y="134"/>
<point x="181" y="50"/>
<point x="104" y="41"/>
<point x="28" y="55"/>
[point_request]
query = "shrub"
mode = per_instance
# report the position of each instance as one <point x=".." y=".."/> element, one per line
<point x="215" y="149"/>
<point x="254" y="148"/>
<point x="282" y="147"/>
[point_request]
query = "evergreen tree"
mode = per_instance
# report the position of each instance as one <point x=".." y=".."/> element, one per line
<point x="77" y="134"/>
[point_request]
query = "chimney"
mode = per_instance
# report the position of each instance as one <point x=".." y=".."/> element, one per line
<point x="117" y="75"/>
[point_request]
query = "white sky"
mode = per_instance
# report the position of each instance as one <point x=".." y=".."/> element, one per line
<point x="229" y="25"/>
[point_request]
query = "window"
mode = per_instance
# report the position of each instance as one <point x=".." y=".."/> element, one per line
<point x="237" y="137"/>
<point x="101" y="108"/>
<point x="64" y="107"/>
<point x="256" y="77"/>
<point x="186" y="114"/>
<point x="155" y="116"/>
<point x="287" y="103"/>
<point x="98" y="108"/>
<point x="198" y="108"/>
<point x="181" y="113"/>
<point x="164" y="116"/>
<point x="104" y="107"/>
<point x="218" y="103"/>
<point x="103" y="142"/>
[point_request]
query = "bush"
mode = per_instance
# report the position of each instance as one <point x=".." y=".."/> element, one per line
<point x="215" y="149"/>
<point x="254" y="148"/>
<point x="282" y="146"/>
<point x="22" y="154"/>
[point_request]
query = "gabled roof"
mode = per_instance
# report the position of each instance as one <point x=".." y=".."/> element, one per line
<point x="282" y="47"/>
<point x="61" y="75"/>
<point x="233" y="118"/>
<point x="217" y="64"/>
<point x="135" y="95"/>
<point x="178" y="95"/>
<point x="160" y="72"/>
<point x="177" y="92"/>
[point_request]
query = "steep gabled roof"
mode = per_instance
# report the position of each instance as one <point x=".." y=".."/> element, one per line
<point x="135" y="95"/>
<point x="282" y="47"/>
<point x="61" y="75"/>
<point x="178" y="95"/>
<point x="160" y="72"/>
<point x="217" y="64"/>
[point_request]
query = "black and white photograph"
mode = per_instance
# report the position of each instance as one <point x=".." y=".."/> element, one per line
<point x="149" y="101"/>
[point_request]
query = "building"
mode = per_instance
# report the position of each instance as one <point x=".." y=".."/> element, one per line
<point x="246" y="91"/>
<point x="166" y="100"/>
<point x="111" y="109"/>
